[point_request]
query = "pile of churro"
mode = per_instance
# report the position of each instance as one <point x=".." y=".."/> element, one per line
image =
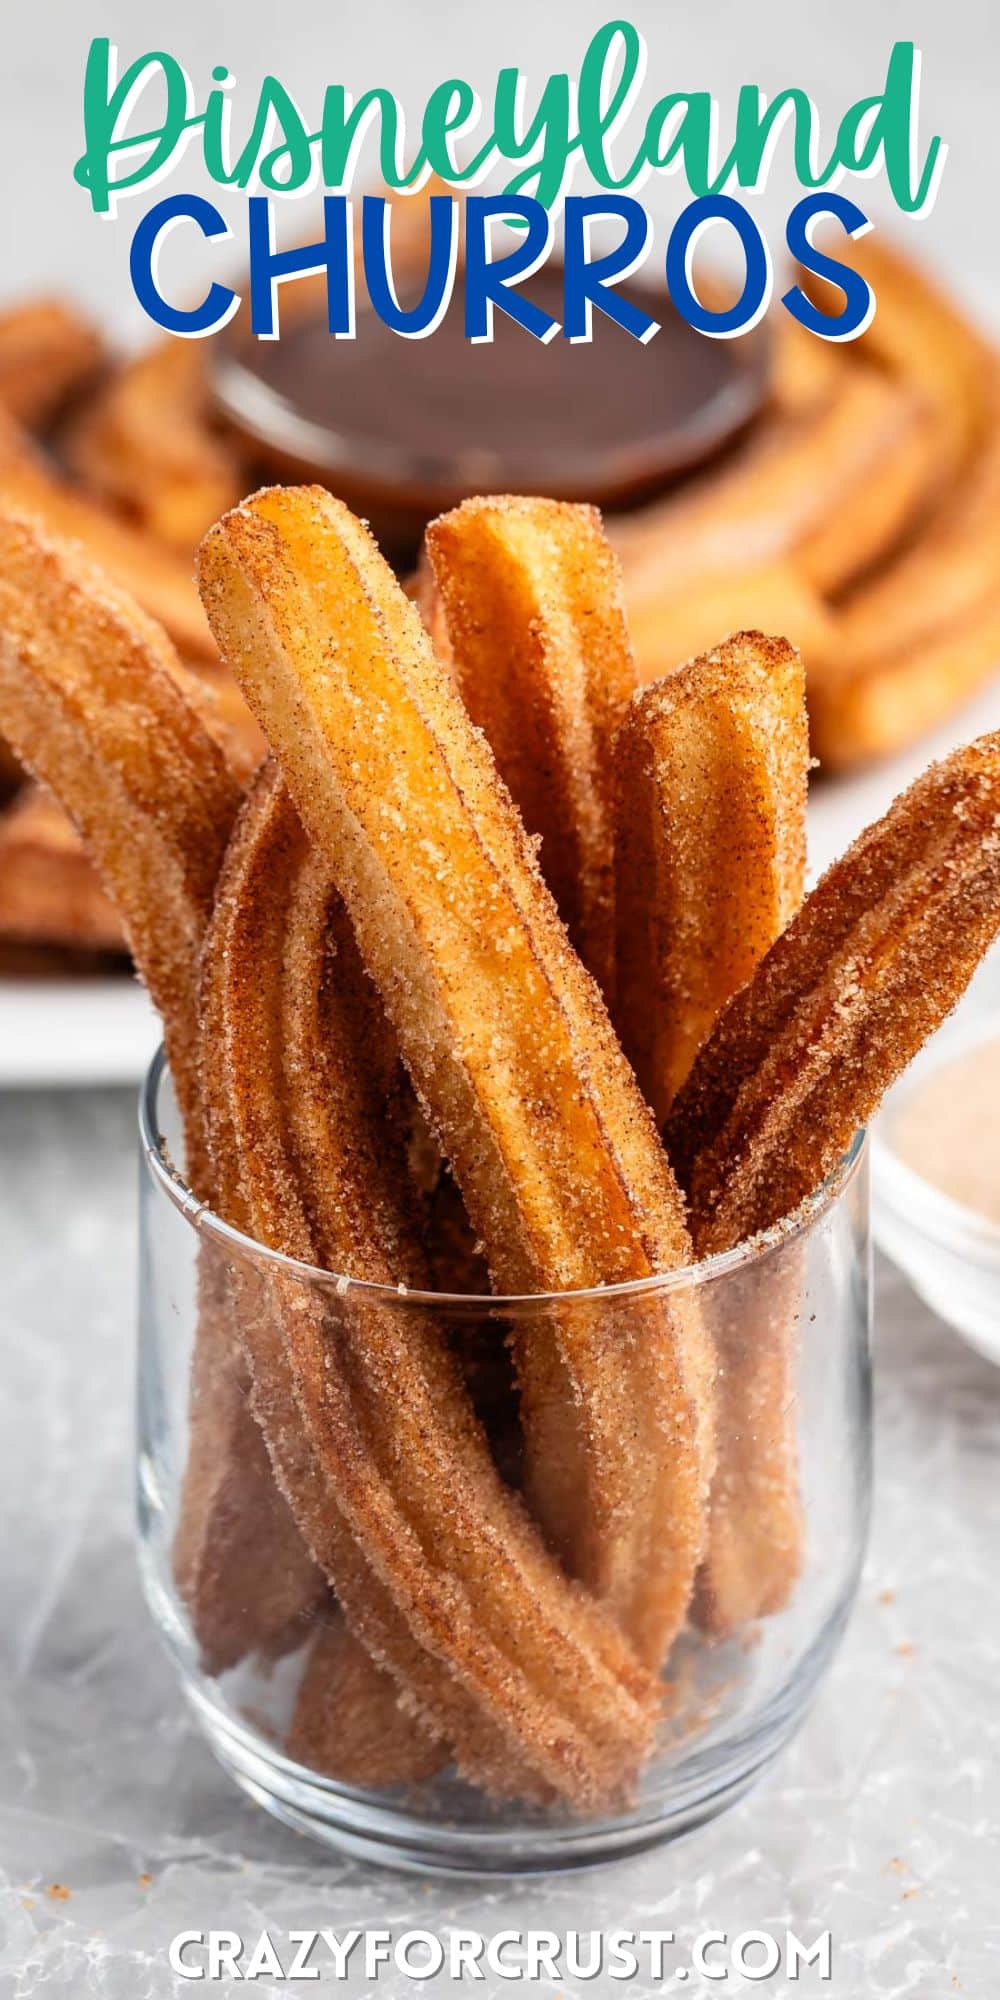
<point x="859" y="515"/>
<point x="498" y="963"/>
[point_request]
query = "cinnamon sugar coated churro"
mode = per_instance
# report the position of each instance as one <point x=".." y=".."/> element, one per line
<point x="834" y="486"/>
<point x="879" y="953"/>
<point x="924" y="633"/>
<point x="374" y="900"/>
<point x="91" y="701"/>
<point x="684" y="618"/>
<point x="920" y="632"/>
<point x="756" y="1536"/>
<point x="369" y="1430"/>
<point x="710" y="845"/>
<point x="710" y="861"/>
<point x="505" y="1037"/>
<point x="348" y="1722"/>
<point x="493" y="1281"/>
<point x="246" y="1580"/>
<point x="921" y="337"/>
<point x="534" y="619"/>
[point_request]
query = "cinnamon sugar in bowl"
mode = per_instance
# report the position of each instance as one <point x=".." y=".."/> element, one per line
<point x="936" y="1174"/>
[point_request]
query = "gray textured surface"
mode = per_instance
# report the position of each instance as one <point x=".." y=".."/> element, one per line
<point x="882" y="1823"/>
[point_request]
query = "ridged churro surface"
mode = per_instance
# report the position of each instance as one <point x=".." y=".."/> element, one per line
<point x="504" y="1034"/>
<point x="531" y="597"/>
<point x="710" y="862"/>
<point x="91" y="699"/>
<point x="922" y="634"/>
<point x="709" y="845"/>
<point x="362" y="1403"/>
<point x="879" y="953"/>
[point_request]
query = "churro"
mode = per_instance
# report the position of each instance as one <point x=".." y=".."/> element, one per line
<point x="158" y="579"/>
<point x="946" y="573"/>
<point x="144" y="443"/>
<point x="225" y="714"/>
<point x="877" y="507"/>
<point x="347" y="1720"/>
<point x="879" y="953"/>
<point x="858" y="716"/>
<point x="532" y="602"/>
<point x="372" y="1437"/>
<point x="917" y="634"/>
<point x="710" y="863"/>
<point x="923" y="634"/>
<point x="709" y="845"/>
<point x="90" y="698"/>
<point x="756" y="1522"/>
<point x="48" y="354"/>
<point x="242" y="1571"/>
<point x="504" y="1034"/>
<point x="49" y="893"/>
<point x="804" y="371"/>
<point x="918" y="336"/>
<point x="686" y="619"/>
<point x="834" y="486"/>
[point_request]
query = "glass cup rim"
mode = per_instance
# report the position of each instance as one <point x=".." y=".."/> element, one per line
<point x="202" y="1218"/>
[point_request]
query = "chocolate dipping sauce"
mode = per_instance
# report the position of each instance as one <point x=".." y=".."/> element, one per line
<point x="402" y="429"/>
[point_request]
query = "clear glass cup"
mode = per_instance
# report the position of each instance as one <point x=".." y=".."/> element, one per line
<point x="286" y="1699"/>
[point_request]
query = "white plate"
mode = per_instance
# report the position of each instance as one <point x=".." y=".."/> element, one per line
<point x="61" y="1033"/>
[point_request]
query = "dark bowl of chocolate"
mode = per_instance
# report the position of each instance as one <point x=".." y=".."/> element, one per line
<point x="403" y="429"/>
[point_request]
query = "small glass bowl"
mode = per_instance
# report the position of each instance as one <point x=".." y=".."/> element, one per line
<point x="950" y="1254"/>
<point x="790" y="1319"/>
